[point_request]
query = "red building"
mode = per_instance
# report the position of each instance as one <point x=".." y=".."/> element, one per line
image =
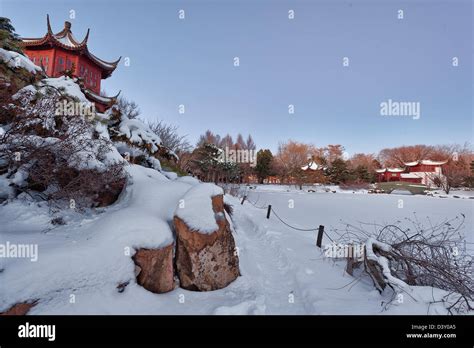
<point x="421" y="172"/>
<point x="62" y="53"/>
<point x="389" y="174"/>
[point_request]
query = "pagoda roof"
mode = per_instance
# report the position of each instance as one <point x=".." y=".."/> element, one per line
<point x="426" y="163"/>
<point x="66" y="40"/>
<point x="390" y="170"/>
<point x="312" y="165"/>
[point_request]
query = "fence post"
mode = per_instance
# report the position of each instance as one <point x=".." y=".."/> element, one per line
<point x="268" y="211"/>
<point x="320" y="236"/>
<point x="243" y="200"/>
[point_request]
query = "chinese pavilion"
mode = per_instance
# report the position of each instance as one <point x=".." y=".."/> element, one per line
<point x="420" y="172"/>
<point x="62" y="53"/>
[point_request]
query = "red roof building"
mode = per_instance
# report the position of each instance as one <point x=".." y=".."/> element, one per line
<point x="61" y="53"/>
<point x="421" y="172"/>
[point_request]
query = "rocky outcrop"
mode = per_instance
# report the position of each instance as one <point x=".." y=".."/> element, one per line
<point x="206" y="261"/>
<point x="20" y="308"/>
<point x="154" y="269"/>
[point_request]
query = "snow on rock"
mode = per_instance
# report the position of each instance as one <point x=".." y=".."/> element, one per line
<point x="16" y="60"/>
<point x="206" y="262"/>
<point x="196" y="208"/>
<point x="91" y="254"/>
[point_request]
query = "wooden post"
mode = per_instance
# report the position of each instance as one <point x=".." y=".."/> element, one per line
<point x="320" y="236"/>
<point x="243" y="200"/>
<point x="268" y="211"/>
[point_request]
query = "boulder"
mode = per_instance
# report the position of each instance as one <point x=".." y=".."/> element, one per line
<point x="21" y="308"/>
<point x="206" y="261"/>
<point x="154" y="269"/>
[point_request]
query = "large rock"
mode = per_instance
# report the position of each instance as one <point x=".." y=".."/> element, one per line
<point x="21" y="308"/>
<point x="155" y="269"/>
<point x="206" y="262"/>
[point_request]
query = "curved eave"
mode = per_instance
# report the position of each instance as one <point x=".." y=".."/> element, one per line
<point x="107" y="67"/>
<point x="107" y="101"/>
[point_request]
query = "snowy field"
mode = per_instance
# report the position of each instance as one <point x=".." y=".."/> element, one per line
<point x="81" y="263"/>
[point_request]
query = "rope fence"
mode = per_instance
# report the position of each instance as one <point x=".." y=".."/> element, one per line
<point x="270" y="210"/>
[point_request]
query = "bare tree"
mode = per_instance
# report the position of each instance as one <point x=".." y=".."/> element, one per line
<point x="170" y="137"/>
<point x="128" y="108"/>
<point x="456" y="170"/>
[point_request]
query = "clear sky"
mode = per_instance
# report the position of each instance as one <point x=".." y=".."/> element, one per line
<point x="282" y="62"/>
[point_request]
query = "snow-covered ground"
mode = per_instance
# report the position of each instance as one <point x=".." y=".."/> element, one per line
<point x="81" y="263"/>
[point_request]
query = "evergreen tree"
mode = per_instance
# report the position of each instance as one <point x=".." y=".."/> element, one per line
<point x="9" y="40"/>
<point x="362" y="173"/>
<point x="264" y="164"/>
<point x="338" y="172"/>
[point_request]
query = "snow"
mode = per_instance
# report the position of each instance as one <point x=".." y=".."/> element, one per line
<point x="188" y="179"/>
<point x="411" y="164"/>
<point x="16" y="60"/>
<point x="170" y="175"/>
<point x="139" y="133"/>
<point x="99" y="97"/>
<point x="66" y="40"/>
<point x="425" y="162"/>
<point x="66" y="85"/>
<point x="92" y="253"/>
<point x="196" y="210"/>
<point x="414" y="175"/>
<point x="282" y="271"/>
<point x="312" y="166"/>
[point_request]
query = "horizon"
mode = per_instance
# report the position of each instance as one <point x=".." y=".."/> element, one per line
<point x="282" y="62"/>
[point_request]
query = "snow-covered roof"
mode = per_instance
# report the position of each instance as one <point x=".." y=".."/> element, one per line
<point x="425" y="162"/>
<point x="390" y="170"/>
<point x="433" y="163"/>
<point x="65" y="40"/>
<point x="413" y="175"/>
<point x="312" y="165"/>
<point x="411" y="164"/>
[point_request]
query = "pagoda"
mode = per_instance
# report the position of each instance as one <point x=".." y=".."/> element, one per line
<point x="61" y="53"/>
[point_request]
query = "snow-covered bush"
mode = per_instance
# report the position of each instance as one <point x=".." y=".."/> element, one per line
<point x="422" y="255"/>
<point x="61" y="157"/>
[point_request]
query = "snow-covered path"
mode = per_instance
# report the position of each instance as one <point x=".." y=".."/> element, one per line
<point x="292" y="273"/>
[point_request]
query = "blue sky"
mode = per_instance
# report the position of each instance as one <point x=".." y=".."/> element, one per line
<point x="282" y="62"/>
